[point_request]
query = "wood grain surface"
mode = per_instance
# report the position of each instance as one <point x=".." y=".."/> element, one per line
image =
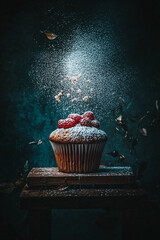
<point x="80" y="198"/>
<point x="105" y="175"/>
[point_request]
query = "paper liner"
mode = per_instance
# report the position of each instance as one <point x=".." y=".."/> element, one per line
<point x="78" y="158"/>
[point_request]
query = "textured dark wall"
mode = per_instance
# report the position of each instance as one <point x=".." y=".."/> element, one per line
<point x="116" y="46"/>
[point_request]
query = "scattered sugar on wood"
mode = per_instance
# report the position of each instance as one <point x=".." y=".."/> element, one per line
<point x="108" y="171"/>
<point x="88" y="193"/>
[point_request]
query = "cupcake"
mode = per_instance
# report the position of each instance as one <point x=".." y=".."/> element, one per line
<point x="78" y="143"/>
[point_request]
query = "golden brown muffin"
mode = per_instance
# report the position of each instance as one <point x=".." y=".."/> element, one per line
<point x="78" y="135"/>
<point x="78" y="149"/>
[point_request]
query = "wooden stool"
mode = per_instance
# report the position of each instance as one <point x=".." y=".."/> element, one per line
<point x="108" y="188"/>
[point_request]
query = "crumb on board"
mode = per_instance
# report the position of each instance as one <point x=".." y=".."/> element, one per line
<point x="57" y="97"/>
<point x="74" y="99"/>
<point x="85" y="98"/>
<point x="74" y="79"/>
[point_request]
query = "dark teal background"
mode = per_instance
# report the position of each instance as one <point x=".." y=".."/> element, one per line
<point x="113" y="43"/>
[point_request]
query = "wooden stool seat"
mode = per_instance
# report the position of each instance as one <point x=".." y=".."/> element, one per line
<point x="108" y="188"/>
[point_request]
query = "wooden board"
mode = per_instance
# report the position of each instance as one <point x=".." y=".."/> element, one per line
<point x="80" y="198"/>
<point x="104" y="176"/>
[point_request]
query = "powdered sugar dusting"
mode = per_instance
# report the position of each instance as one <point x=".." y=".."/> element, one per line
<point x="87" y="133"/>
<point x="78" y="134"/>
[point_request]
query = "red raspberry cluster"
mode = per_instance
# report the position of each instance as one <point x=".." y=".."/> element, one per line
<point x="87" y="120"/>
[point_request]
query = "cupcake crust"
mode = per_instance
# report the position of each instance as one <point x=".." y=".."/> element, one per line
<point x="78" y="135"/>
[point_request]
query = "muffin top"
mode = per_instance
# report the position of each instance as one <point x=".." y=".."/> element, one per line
<point x="78" y="134"/>
<point x="78" y="129"/>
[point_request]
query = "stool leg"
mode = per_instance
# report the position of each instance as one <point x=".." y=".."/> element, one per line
<point x="130" y="224"/>
<point x="39" y="224"/>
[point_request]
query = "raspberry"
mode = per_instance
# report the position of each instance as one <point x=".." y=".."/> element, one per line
<point x="75" y="117"/>
<point x="95" y="123"/>
<point x="60" y="123"/>
<point x="89" y="115"/>
<point x="66" y="123"/>
<point x="85" y="122"/>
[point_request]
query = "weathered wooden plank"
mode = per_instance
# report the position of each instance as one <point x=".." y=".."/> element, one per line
<point x="77" y="193"/>
<point x="105" y="175"/>
<point x="78" y="198"/>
